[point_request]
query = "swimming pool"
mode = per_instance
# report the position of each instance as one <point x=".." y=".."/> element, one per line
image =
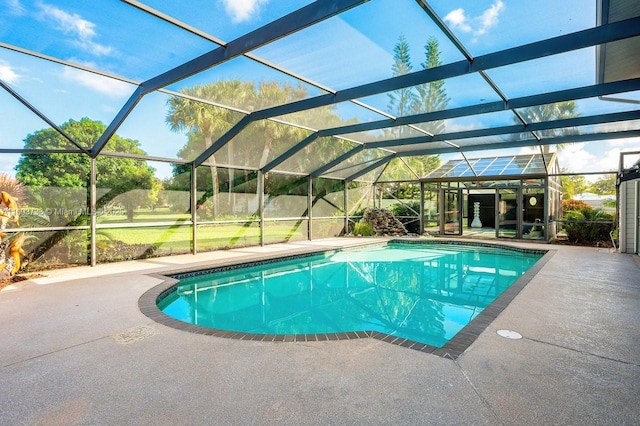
<point x="414" y="294"/>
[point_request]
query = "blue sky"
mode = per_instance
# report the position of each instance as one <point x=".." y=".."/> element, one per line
<point x="348" y="50"/>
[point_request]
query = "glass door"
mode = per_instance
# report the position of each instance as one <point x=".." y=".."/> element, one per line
<point x="507" y="213"/>
<point x="431" y="211"/>
<point x="452" y="210"/>
<point x="533" y="213"/>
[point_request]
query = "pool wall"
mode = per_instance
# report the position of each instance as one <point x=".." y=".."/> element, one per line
<point x="148" y="303"/>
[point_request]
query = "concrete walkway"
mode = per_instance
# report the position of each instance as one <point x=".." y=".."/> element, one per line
<point x="75" y="350"/>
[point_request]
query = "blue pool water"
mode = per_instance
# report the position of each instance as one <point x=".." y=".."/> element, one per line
<point x="422" y="292"/>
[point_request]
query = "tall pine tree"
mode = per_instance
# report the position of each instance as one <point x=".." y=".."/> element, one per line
<point x="426" y="97"/>
<point x="431" y="96"/>
<point x="401" y="101"/>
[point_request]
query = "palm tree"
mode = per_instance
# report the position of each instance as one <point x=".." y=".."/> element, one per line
<point x="12" y="186"/>
<point x="205" y="120"/>
<point x="549" y="112"/>
<point x="204" y="123"/>
<point x="269" y="94"/>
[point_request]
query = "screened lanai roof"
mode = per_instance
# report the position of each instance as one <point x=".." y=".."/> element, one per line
<point x="508" y="166"/>
<point x="333" y="88"/>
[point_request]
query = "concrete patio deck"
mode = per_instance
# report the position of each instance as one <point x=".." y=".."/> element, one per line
<point x="75" y="349"/>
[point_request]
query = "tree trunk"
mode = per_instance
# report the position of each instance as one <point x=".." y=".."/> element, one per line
<point x="215" y="189"/>
<point x="214" y="178"/>
<point x="232" y="195"/>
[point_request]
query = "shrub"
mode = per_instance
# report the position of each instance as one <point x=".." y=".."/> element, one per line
<point x="358" y="213"/>
<point x="354" y="217"/>
<point x="588" y="226"/>
<point x="118" y="251"/>
<point x="572" y="205"/>
<point x="409" y="215"/>
<point x="363" y="229"/>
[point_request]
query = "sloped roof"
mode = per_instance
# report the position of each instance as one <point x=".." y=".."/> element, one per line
<point x="512" y="166"/>
<point x="122" y="62"/>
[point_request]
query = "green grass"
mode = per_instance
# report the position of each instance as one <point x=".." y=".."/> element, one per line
<point x="135" y="241"/>
<point x="178" y="238"/>
<point x="145" y="215"/>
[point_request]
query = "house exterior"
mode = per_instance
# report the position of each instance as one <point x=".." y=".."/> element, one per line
<point x="628" y="186"/>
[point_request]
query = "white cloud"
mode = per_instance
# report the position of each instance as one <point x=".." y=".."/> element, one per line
<point x="15" y="8"/>
<point x="7" y="74"/>
<point x="105" y="85"/>
<point x="629" y="144"/>
<point x="74" y="25"/>
<point x="591" y="157"/>
<point x="8" y="162"/>
<point x="609" y="161"/>
<point x="575" y="158"/>
<point x="457" y="19"/>
<point x="490" y="17"/>
<point x="478" y="25"/>
<point x="624" y="143"/>
<point x="242" y="10"/>
<point x="109" y="109"/>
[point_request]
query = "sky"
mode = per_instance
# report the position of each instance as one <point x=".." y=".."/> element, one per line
<point x="358" y="42"/>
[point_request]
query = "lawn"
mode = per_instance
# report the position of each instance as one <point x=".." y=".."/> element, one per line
<point x="177" y="237"/>
<point x="161" y="233"/>
<point x="145" y="216"/>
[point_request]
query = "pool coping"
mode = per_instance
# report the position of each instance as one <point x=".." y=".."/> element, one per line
<point x="456" y="346"/>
